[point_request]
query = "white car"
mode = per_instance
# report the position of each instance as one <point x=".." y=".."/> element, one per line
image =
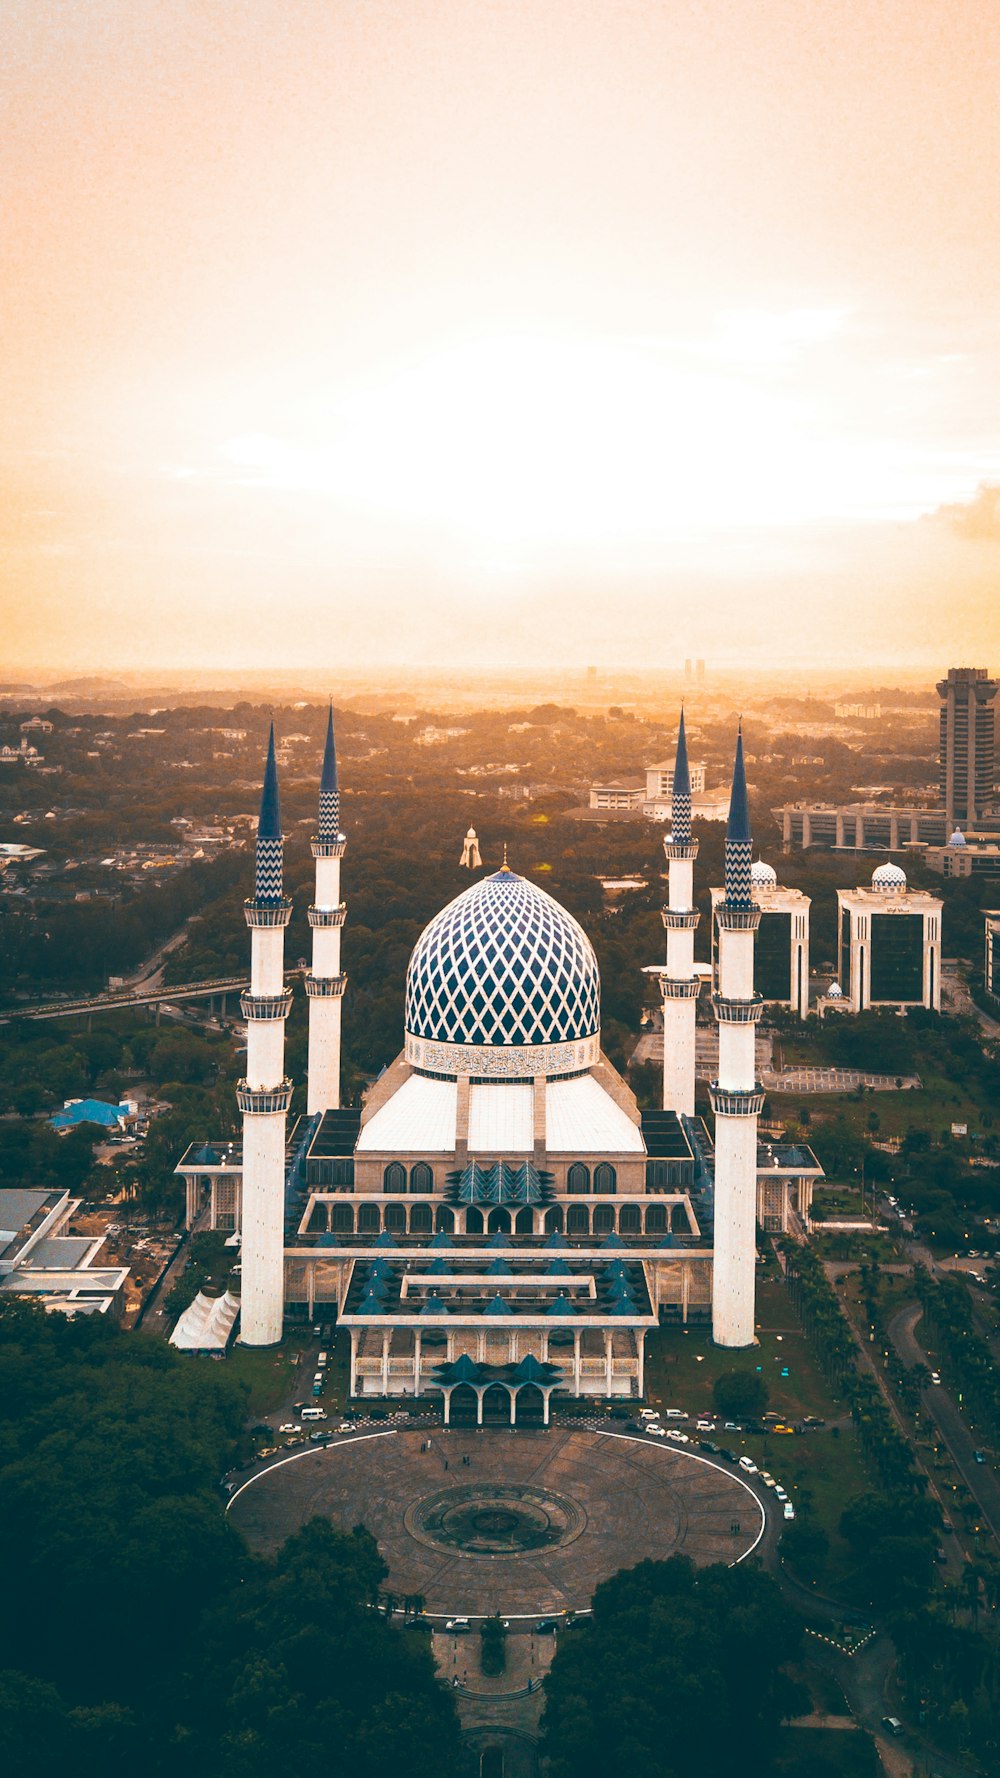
<point x="704" y="1425"/>
<point x="788" y="1510"/>
<point x="679" y="1438"/>
<point x="345" y="1426"/>
<point x="314" y="1413"/>
<point x="935" y="1376"/>
<point x="675" y="1413"/>
<point x="779" y="1493"/>
<point x="655" y="1431"/>
<point x="768" y="1480"/>
<point x="749" y="1465"/>
<point x="458" y="1626"/>
<point x="649" y="1413"/>
<point x="290" y="1426"/>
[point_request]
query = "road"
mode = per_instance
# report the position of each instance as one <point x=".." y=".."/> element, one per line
<point x="979" y="1478"/>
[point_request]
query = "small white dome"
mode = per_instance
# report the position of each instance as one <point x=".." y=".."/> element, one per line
<point x="835" y="991"/>
<point x="888" y="877"/>
<point x="957" y="838"/>
<point x="762" y="876"/>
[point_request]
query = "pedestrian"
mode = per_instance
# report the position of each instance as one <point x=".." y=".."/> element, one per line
<point x="446" y="1463"/>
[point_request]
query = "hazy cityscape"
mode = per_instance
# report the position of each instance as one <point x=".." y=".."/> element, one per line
<point x="500" y="890"/>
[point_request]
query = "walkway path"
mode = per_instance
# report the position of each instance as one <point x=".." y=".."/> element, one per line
<point x="979" y="1478"/>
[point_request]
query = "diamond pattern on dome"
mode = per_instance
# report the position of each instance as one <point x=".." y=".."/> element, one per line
<point x="503" y="964"/>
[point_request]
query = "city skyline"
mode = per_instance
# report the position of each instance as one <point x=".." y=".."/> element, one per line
<point x="463" y="333"/>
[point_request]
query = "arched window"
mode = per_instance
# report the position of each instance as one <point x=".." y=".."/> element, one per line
<point x="394" y="1177"/>
<point x="524" y="1222"/>
<point x="369" y="1219"/>
<point x="444" y="1221"/>
<point x="630" y="1220"/>
<point x="578" y="1178"/>
<point x="342" y="1221"/>
<point x="473" y="1222"/>
<point x="605" y="1179"/>
<point x="395" y="1218"/>
<point x="421" y="1219"/>
<point x="578" y="1220"/>
<point x="657" y="1220"/>
<point x="604" y="1219"/>
<point x="554" y="1220"/>
<point x="421" y="1178"/>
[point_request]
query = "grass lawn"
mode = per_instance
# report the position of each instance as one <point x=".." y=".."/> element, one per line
<point x="814" y="1753"/>
<point x="269" y="1372"/>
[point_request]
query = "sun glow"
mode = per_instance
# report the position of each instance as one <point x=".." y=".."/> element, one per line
<point x="526" y="442"/>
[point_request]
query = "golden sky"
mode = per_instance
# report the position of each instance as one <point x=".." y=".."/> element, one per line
<point x="465" y="329"/>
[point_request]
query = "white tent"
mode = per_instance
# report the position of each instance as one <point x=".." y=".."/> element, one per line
<point x="206" y="1324"/>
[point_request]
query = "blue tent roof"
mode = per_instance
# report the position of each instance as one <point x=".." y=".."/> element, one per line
<point x="498" y="1307"/>
<point x="558" y="1268"/>
<point x="90" y="1111"/>
<point x="371" y="1305"/>
<point x="499" y="1240"/>
<point x="443" y="1240"/>
<point x="440" y="1269"/>
<point x="612" y="1240"/>
<point x="434" y="1306"/>
<point x="560" y="1305"/>
<point x="385" y="1239"/>
<point x="498" y="1269"/>
<point x="554" y="1240"/>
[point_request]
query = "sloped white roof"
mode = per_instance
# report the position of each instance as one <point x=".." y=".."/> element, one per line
<point x="580" y="1115"/>
<point x="206" y="1324"/>
<point x="501" y="1118"/>
<point x="420" y="1117"/>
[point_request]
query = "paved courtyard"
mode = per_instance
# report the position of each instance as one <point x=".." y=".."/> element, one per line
<point x="529" y="1524"/>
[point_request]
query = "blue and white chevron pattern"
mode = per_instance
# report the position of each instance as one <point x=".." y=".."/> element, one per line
<point x="329" y="814"/>
<point x="680" y="817"/>
<point x="269" y="878"/>
<point x="738" y="883"/>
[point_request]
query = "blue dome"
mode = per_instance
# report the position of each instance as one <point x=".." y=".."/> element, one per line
<point x="503" y="982"/>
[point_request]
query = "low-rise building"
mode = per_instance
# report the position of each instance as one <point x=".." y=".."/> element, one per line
<point x="38" y="1259"/>
<point x="889" y="944"/>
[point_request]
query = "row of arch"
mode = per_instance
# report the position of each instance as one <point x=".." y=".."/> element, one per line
<point x="424" y="1219"/>
<point x="578" y="1178"/>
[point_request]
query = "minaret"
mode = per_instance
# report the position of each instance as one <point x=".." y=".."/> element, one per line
<point x="325" y="984"/>
<point x="736" y="1098"/>
<point x="678" y="983"/>
<point x="264" y="1096"/>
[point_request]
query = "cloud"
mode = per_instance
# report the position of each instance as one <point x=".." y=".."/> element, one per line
<point x="978" y="519"/>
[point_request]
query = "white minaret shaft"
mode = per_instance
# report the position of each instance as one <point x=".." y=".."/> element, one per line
<point x="264" y="1096"/>
<point x="736" y="1099"/>
<point x="325" y="984"/>
<point x="678" y="983"/>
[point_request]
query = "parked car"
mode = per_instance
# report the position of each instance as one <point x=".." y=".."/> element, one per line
<point x="649" y="1413"/>
<point x="788" y="1510"/>
<point x="768" y="1480"/>
<point x="314" y="1413"/>
<point x="675" y="1413"/>
<point x="704" y="1425"/>
<point x="979" y="1456"/>
<point x="322" y="1437"/>
<point x="655" y="1431"/>
<point x="290" y="1426"/>
<point x="935" y="1376"/>
<point x="893" y="1726"/>
<point x="458" y="1626"/>
<point x="749" y="1465"/>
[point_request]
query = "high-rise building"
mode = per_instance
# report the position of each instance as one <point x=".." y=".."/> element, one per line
<point x="991" y="970"/>
<point x="781" y="953"/>
<point x="889" y="944"/>
<point x="968" y="743"/>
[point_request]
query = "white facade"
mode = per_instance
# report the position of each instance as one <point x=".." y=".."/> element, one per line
<point x="865" y="970"/>
<point x="325" y="983"/>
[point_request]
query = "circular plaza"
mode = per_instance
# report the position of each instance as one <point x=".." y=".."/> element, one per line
<point x="524" y="1523"/>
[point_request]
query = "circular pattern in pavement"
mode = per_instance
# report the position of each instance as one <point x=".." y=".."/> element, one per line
<point x="597" y="1502"/>
<point x="494" y="1519"/>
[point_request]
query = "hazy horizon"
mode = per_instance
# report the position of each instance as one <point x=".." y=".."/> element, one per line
<point x="460" y="336"/>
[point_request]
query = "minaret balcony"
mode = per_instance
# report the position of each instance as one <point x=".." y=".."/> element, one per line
<point x="730" y="919"/>
<point x="324" y="917"/>
<point x="680" y="919"/>
<point x="679" y="987"/>
<point x="268" y="913"/>
<point x="263" y="1101"/>
<point x="679" y="848"/>
<point x="325" y="987"/>
<point x="737" y="1012"/>
<point x="735" y="1101"/>
<point x="269" y="1007"/>
<point x="330" y="848"/>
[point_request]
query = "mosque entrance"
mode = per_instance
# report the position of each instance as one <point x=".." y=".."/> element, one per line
<point x="496" y="1405"/>
<point x="463" y="1406"/>
<point x="530" y="1405"/>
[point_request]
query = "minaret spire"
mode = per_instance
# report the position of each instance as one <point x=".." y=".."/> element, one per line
<point x="325" y="984"/>
<point x="264" y="1095"/>
<point x="736" y="1097"/>
<point x="329" y="787"/>
<point x="678" y="982"/>
<point x="739" y="840"/>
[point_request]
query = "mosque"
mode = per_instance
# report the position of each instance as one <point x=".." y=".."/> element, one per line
<point x="498" y="1222"/>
